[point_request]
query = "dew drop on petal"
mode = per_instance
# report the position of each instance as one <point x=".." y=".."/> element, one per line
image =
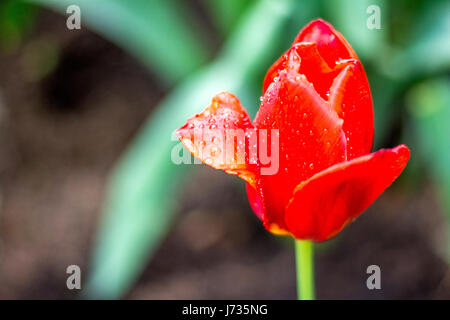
<point x="213" y="151"/>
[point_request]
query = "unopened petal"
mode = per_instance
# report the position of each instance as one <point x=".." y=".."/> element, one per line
<point x="331" y="44"/>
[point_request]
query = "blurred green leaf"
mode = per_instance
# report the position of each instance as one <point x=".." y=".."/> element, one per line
<point x="159" y="33"/>
<point x="226" y="13"/>
<point x="140" y="201"/>
<point x="15" y="18"/>
<point x="429" y="107"/>
<point x="429" y="48"/>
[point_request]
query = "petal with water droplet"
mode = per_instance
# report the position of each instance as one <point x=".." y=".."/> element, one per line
<point x="350" y="97"/>
<point x="208" y="136"/>
<point x="329" y="200"/>
<point x="305" y="144"/>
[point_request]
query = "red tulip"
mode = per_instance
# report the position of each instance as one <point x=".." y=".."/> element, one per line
<point x="317" y="107"/>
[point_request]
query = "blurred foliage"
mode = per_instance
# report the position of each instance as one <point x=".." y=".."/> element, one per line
<point x="140" y="202"/>
<point x="406" y="61"/>
<point x="226" y="13"/>
<point x="16" y="17"/>
<point x="425" y="45"/>
<point x="162" y="34"/>
<point x="429" y="106"/>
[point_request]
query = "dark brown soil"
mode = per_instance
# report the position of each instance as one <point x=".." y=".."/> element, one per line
<point x="60" y="135"/>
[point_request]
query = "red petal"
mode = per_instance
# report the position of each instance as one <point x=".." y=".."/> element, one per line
<point x="331" y="44"/>
<point x="350" y="97"/>
<point x="340" y="80"/>
<point x="312" y="65"/>
<point x="219" y="137"/>
<point x="310" y="138"/>
<point x="324" y="204"/>
<point x="255" y="198"/>
<point x="274" y="70"/>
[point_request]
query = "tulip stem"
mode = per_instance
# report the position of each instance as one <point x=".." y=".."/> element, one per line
<point x="304" y="258"/>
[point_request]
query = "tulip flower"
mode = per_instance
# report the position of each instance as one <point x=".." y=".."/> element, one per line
<point x="316" y="122"/>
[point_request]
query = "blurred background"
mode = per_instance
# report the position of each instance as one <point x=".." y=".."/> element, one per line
<point x="86" y="133"/>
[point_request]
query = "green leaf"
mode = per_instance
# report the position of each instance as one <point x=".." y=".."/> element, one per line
<point x="226" y="13"/>
<point x="159" y="33"/>
<point x="429" y="49"/>
<point x="16" y="17"/>
<point x="428" y="104"/>
<point x="140" y="201"/>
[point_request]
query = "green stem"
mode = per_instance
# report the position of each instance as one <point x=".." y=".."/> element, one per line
<point x="304" y="258"/>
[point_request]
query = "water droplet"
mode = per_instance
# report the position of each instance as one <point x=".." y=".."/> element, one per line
<point x="214" y="151"/>
<point x="311" y="165"/>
